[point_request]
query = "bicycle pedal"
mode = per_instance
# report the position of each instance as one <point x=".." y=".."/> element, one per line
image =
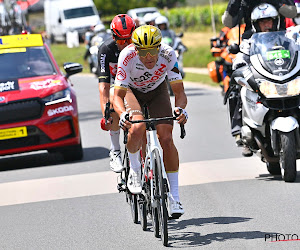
<point x="120" y="188"/>
<point x="175" y="216"/>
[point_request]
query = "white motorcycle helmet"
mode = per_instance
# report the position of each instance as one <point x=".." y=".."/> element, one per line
<point x="99" y="28"/>
<point x="161" y="20"/>
<point x="148" y="18"/>
<point x="297" y="18"/>
<point x="264" y="11"/>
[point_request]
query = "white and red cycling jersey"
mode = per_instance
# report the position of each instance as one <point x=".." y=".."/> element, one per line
<point x="132" y="72"/>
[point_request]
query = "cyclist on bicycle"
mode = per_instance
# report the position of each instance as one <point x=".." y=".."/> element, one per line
<point x="122" y="27"/>
<point x="142" y="68"/>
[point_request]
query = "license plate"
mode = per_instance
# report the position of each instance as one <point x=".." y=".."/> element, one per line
<point x="13" y="133"/>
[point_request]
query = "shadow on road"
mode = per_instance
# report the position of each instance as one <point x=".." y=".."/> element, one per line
<point x="41" y="158"/>
<point x="181" y="239"/>
<point x="269" y="177"/>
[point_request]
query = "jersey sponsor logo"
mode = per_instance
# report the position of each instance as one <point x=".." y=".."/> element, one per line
<point x="59" y="110"/>
<point x="166" y="54"/>
<point x="102" y="62"/>
<point x="121" y="75"/>
<point x="45" y="84"/>
<point x="113" y="69"/>
<point x="9" y="86"/>
<point x="148" y="78"/>
<point x="128" y="58"/>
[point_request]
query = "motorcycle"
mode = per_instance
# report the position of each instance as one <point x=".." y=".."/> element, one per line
<point x="270" y="95"/>
<point x="96" y="42"/>
<point x="176" y="43"/>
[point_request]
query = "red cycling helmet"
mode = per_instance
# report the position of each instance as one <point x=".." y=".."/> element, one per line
<point x="122" y="26"/>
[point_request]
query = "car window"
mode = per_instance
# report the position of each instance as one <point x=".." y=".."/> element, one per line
<point x="25" y="62"/>
<point x="79" y="12"/>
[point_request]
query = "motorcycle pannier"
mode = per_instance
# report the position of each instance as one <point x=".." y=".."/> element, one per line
<point x="215" y="71"/>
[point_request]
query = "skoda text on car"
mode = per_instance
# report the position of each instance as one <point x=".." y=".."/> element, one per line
<point x="38" y="107"/>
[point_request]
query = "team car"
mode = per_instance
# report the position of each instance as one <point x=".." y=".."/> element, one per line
<point x="38" y="106"/>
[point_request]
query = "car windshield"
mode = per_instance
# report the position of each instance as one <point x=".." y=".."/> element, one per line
<point x="79" y="12"/>
<point x="277" y="51"/>
<point x="142" y="14"/>
<point x="25" y="62"/>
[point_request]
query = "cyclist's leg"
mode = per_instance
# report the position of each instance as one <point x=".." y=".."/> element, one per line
<point x="134" y="142"/>
<point x="115" y="149"/>
<point x="160" y="106"/>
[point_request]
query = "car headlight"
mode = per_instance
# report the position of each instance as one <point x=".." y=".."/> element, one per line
<point x="273" y="90"/>
<point x="61" y="96"/>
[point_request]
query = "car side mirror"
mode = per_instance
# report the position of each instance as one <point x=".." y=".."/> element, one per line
<point x="72" y="68"/>
<point x="234" y="48"/>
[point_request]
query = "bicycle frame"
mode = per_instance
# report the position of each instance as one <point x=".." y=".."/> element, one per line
<point x="152" y="144"/>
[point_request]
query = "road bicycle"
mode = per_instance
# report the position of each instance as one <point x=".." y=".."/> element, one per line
<point x="152" y="202"/>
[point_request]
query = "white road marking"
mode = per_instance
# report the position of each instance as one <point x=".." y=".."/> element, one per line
<point x="82" y="185"/>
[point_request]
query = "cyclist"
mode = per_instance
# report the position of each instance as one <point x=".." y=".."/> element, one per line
<point x="121" y="27"/>
<point x="142" y="68"/>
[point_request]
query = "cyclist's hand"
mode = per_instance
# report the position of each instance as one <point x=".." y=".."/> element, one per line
<point x="106" y="126"/>
<point x="124" y="123"/>
<point x="183" y="116"/>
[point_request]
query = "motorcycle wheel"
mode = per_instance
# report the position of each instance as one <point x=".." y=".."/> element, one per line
<point x="274" y="168"/>
<point x="288" y="156"/>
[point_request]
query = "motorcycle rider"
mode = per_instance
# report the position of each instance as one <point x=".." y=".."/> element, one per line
<point x="149" y="18"/>
<point x="142" y="68"/>
<point x="244" y="8"/>
<point x="264" y="18"/>
<point x="121" y="27"/>
<point x="162" y="23"/>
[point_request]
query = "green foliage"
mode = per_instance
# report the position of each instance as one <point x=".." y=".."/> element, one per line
<point x="114" y="7"/>
<point x="194" y="17"/>
<point x="192" y="77"/>
<point x="197" y="57"/>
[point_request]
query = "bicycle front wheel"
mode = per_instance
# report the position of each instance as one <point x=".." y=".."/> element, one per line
<point x="160" y="195"/>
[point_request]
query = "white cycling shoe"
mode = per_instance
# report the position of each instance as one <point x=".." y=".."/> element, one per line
<point x="134" y="182"/>
<point x="115" y="162"/>
<point x="175" y="208"/>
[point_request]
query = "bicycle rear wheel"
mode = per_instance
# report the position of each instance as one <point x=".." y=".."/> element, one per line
<point x="160" y="194"/>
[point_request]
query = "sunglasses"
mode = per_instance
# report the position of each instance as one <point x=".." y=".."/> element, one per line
<point x="123" y="41"/>
<point x="151" y="51"/>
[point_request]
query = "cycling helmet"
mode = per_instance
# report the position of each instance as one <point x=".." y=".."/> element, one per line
<point x="122" y="26"/>
<point x="264" y="11"/>
<point x="161" y="20"/>
<point x="146" y="36"/>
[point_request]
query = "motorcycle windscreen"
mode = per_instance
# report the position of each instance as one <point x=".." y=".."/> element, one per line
<point x="276" y="52"/>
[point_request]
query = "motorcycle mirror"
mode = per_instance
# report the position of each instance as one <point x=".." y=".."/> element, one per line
<point x="234" y="48"/>
<point x="180" y="34"/>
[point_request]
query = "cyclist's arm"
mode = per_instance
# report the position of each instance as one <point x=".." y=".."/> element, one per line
<point x="104" y="75"/>
<point x="180" y="96"/>
<point x="119" y="95"/>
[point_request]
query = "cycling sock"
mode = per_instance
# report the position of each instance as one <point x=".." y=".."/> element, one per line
<point x="134" y="160"/>
<point x="114" y="140"/>
<point x="173" y="180"/>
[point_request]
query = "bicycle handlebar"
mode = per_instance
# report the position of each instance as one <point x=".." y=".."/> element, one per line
<point x="153" y="120"/>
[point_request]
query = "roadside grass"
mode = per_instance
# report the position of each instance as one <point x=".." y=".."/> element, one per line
<point x="201" y="78"/>
<point x="198" y="55"/>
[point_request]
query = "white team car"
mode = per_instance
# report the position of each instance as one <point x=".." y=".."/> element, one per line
<point x="139" y="13"/>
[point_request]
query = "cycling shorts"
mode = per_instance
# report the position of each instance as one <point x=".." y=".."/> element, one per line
<point x="157" y="100"/>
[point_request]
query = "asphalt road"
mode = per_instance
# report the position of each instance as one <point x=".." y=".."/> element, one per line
<point x="230" y="202"/>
